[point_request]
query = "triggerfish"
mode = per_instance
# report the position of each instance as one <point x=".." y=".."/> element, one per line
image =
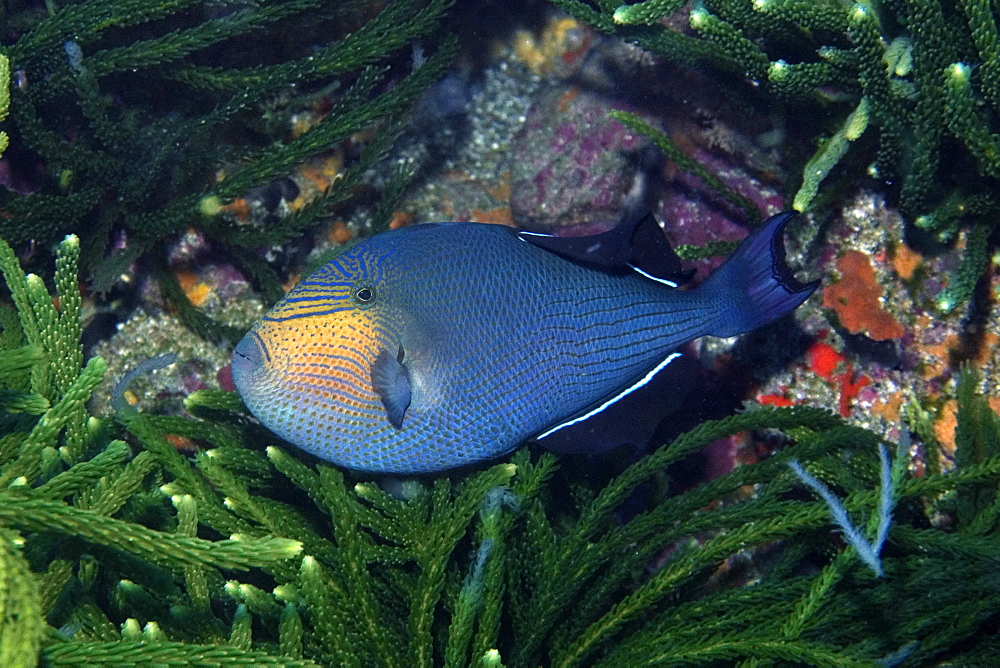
<point x="444" y="344"/>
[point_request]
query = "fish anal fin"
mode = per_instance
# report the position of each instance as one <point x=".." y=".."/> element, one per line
<point x="609" y="401"/>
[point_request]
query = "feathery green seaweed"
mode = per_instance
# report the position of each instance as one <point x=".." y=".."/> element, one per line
<point x="105" y="157"/>
<point x="4" y="99"/>
<point x="675" y="155"/>
<point x="918" y="78"/>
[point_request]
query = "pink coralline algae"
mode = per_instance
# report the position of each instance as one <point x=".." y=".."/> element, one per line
<point x="574" y="164"/>
<point x="694" y="215"/>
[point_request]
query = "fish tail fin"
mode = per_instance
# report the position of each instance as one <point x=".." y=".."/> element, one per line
<point x="755" y="283"/>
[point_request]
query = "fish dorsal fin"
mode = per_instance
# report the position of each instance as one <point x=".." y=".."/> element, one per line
<point x="639" y="245"/>
<point x="391" y="381"/>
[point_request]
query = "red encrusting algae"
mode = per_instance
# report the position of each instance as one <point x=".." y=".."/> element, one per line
<point x="832" y="366"/>
<point x="857" y="299"/>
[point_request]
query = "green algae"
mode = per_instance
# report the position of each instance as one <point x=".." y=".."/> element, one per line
<point x="125" y="128"/>
<point x="919" y="78"/>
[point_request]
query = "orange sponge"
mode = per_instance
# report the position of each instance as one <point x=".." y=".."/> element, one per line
<point x="857" y="299"/>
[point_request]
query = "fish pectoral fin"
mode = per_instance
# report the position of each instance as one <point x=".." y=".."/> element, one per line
<point x="391" y="381"/>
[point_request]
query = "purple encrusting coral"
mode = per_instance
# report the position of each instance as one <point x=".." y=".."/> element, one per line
<point x="695" y="215"/>
<point x="572" y="164"/>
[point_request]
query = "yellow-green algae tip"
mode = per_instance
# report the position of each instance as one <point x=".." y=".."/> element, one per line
<point x="857" y="122"/>
<point x="35" y="281"/>
<point x="959" y="73"/>
<point x="152" y="631"/>
<point x="4" y="98"/>
<point x="945" y="302"/>
<point x="131" y="629"/>
<point x="210" y="206"/>
<point x="171" y="489"/>
<point x="491" y="659"/>
<point x="698" y="18"/>
<point x="829" y="155"/>
<point x="898" y="56"/>
<point x="648" y="12"/>
<point x="286" y="593"/>
<point x="777" y="70"/>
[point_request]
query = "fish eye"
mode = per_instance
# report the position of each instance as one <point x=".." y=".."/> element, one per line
<point x="363" y="296"/>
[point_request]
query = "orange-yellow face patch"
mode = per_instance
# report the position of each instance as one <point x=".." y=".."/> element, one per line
<point x="324" y="358"/>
